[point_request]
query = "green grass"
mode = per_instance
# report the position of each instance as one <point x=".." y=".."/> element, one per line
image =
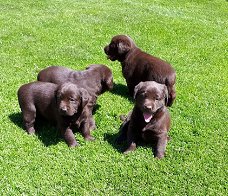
<point x="191" y="35"/>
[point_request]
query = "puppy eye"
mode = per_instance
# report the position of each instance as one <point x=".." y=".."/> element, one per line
<point x="71" y="99"/>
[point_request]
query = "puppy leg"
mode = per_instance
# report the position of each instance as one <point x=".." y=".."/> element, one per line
<point x="92" y="124"/>
<point x="123" y="132"/>
<point x="29" y="116"/>
<point x="124" y="127"/>
<point x="68" y="136"/>
<point x="131" y="140"/>
<point x="89" y="109"/>
<point x="161" y="146"/>
<point x="86" y="131"/>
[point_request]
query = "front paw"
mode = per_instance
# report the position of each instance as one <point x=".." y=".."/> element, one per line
<point x="31" y="130"/>
<point x="131" y="148"/>
<point x="93" y="127"/>
<point x="74" y="144"/>
<point x="159" y="157"/>
<point x="89" y="138"/>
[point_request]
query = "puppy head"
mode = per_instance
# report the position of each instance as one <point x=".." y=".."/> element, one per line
<point x="120" y="45"/>
<point x="105" y="75"/>
<point x="70" y="98"/>
<point x="107" y="79"/>
<point x="150" y="96"/>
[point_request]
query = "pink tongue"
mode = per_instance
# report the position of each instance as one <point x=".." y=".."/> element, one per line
<point x="147" y="117"/>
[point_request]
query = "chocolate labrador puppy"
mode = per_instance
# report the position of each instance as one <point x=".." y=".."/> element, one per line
<point x="62" y="104"/>
<point x="96" y="79"/>
<point x="150" y="120"/>
<point x="139" y="66"/>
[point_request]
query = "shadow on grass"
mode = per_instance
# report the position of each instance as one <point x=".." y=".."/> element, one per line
<point x="121" y="90"/>
<point x="96" y="107"/>
<point x="45" y="131"/>
<point x="120" y="147"/>
<point x="111" y="139"/>
<point x="119" y="141"/>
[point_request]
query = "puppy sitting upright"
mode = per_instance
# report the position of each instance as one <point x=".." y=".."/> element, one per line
<point x="64" y="105"/>
<point x="150" y="120"/>
<point x="138" y="66"/>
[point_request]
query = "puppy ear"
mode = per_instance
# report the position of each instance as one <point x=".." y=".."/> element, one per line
<point x="123" y="47"/>
<point x="109" y="83"/>
<point x="137" y="87"/>
<point x="84" y="97"/>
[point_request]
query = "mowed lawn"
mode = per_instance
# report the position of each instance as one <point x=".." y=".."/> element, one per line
<point x="191" y="35"/>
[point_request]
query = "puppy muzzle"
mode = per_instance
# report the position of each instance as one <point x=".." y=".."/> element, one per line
<point x="64" y="111"/>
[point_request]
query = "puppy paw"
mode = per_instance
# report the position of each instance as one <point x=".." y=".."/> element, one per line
<point x="159" y="156"/>
<point x="93" y="127"/>
<point x="131" y="148"/>
<point x="31" y="130"/>
<point x="75" y="144"/>
<point x="127" y="151"/>
<point x="89" y="138"/>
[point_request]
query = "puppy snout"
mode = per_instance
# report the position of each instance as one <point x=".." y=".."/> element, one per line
<point x="63" y="109"/>
<point x="148" y="107"/>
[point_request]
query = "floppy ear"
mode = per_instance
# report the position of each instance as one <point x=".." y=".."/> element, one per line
<point x="109" y="83"/>
<point x="84" y="97"/>
<point x="123" y="47"/>
<point x="137" y="87"/>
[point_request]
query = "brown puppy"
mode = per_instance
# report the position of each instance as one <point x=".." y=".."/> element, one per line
<point x="64" y="105"/>
<point x="139" y="66"/>
<point x="150" y="120"/>
<point x="96" y="79"/>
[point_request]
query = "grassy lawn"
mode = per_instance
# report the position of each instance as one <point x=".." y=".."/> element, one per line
<point x="191" y="35"/>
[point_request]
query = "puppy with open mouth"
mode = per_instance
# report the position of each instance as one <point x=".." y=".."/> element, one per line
<point x="149" y="120"/>
<point x="139" y="66"/>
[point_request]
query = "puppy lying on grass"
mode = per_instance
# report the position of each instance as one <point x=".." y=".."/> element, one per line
<point x="150" y="120"/>
<point x="96" y="79"/>
<point x="64" y="105"/>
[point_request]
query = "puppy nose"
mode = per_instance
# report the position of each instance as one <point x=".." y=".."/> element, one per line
<point x="64" y="109"/>
<point x="148" y="107"/>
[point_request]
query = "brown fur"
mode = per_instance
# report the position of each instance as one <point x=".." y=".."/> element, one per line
<point x="62" y="104"/>
<point x="139" y="66"/>
<point x="96" y="79"/>
<point x="150" y="102"/>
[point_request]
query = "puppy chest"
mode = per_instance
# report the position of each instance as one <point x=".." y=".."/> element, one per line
<point x="150" y="134"/>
